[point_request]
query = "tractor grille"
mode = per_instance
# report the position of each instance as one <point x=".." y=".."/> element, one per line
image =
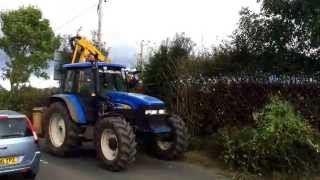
<point x="157" y="120"/>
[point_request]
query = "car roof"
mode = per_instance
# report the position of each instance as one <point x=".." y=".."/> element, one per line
<point x="11" y="114"/>
<point x="88" y="65"/>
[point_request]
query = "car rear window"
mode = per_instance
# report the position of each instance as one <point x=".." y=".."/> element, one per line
<point x="14" y="127"/>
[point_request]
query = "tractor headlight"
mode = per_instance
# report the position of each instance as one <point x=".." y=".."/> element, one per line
<point x="151" y="112"/>
<point x="162" y="111"/>
<point x="155" y="112"/>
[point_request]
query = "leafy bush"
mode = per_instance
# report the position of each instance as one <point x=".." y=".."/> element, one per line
<point x="281" y="141"/>
<point x="3" y="99"/>
<point x="164" y="64"/>
<point x="25" y="99"/>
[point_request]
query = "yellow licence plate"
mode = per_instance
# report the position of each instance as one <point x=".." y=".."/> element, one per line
<point x="8" y="161"/>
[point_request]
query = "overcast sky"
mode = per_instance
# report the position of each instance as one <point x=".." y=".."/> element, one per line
<point x="127" y="22"/>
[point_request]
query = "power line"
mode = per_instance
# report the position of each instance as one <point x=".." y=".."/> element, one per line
<point x="83" y="12"/>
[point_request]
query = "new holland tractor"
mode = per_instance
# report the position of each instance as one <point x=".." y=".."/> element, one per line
<point x="94" y="104"/>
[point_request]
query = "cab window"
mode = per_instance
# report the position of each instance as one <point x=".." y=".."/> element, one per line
<point x="68" y="85"/>
<point x="111" y="80"/>
<point x="85" y="82"/>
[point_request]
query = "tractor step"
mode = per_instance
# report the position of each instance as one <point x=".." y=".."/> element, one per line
<point x="88" y="134"/>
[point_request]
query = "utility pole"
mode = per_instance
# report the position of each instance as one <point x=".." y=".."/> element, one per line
<point x="100" y="15"/>
<point x="141" y="62"/>
<point x="141" y="57"/>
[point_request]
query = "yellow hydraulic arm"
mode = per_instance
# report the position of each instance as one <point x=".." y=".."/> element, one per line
<point x="87" y="50"/>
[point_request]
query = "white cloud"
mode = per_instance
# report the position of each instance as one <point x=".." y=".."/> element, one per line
<point x="127" y="22"/>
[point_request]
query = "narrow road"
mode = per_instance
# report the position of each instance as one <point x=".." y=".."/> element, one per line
<point x="84" y="166"/>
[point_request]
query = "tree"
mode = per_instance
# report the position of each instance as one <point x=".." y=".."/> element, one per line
<point x="283" y="38"/>
<point x="304" y="16"/>
<point x="162" y="68"/>
<point x="30" y="43"/>
<point x="64" y="55"/>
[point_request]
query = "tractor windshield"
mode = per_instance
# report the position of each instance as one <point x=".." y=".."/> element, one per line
<point x="112" y="80"/>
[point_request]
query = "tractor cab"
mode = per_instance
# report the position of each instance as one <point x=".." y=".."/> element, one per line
<point x="94" y="79"/>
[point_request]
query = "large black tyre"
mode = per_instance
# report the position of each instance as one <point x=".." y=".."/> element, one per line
<point x="71" y="140"/>
<point x="177" y="141"/>
<point x="115" y="143"/>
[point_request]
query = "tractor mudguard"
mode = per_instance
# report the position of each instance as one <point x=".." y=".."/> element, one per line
<point x="74" y="106"/>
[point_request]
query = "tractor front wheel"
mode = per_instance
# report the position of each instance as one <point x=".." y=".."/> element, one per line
<point x="115" y="143"/>
<point x="173" y="146"/>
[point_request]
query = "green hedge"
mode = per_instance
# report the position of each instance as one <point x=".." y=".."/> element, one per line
<point x="212" y="104"/>
<point x="25" y="99"/>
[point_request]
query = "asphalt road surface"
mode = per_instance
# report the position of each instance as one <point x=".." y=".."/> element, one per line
<point x="84" y="166"/>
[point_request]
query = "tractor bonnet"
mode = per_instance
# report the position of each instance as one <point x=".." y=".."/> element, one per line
<point x="134" y="100"/>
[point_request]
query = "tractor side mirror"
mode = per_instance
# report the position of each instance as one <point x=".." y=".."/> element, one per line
<point x="132" y="82"/>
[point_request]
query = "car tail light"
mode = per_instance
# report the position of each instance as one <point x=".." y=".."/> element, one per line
<point x="24" y="170"/>
<point x="3" y="117"/>
<point x="35" y="136"/>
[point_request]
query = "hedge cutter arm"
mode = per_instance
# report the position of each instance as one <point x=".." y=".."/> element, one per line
<point x="88" y="51"/>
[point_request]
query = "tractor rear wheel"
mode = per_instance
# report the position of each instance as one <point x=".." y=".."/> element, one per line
<point x="61" y="133"/>
<point x="174" y="145"/>
<point x="115" y="143"/>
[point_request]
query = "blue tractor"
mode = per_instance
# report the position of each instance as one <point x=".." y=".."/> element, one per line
<point x="94" y="104"/>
